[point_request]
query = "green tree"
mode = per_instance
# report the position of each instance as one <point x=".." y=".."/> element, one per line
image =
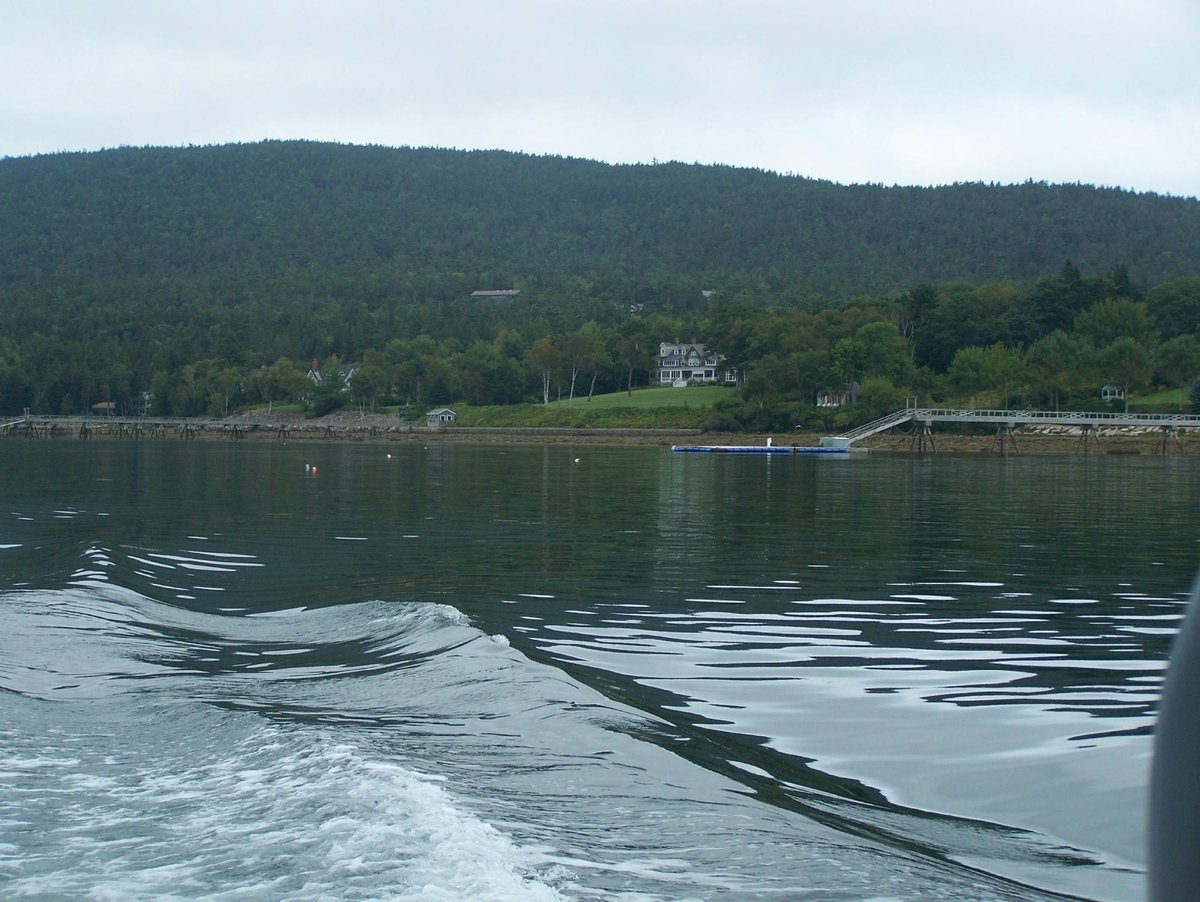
<point x="971" y="372"/>
<point x="186" y="393"/>
<point x="732" y="328"/>
<point x="328" y="397"/>
<point x="1178" y="362"/>
<point x="847" y="359"/>
<point x="1057" y="300"/>
<point x="878" y="397"/>
<point x="544" y="358"/>
<point x="411" y="363"/>
<point x="1175" y="306"/>
<point x="16" y="392"/>
<point x="161" y="389"/>
<point x="579" y="352"/>
<point x="911" y="311"/>
<point x="972" y="315"/>
<point x="1059" y="363"/>
<point x="1010" y="371"/>
<point x="884" y="352"/>
<point x="997" y="368"/>
<point x="1115" y="318"/>
<point x="368" y="384"/>
<point x="282" y="380"/>
<point x="1126" y="362"/>
<point x="635" y="350"/>
<point x="223" y="385"/>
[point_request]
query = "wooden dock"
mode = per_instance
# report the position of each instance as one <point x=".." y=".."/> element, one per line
<point x="1089" y="423"/>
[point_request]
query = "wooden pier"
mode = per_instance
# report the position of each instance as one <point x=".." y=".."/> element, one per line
<point x="919" y="420"/>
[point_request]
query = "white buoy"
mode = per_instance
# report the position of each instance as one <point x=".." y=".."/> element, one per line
<point x="578" y="459"/>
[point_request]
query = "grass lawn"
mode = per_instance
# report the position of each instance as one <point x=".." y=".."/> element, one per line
<point x="1169" y="397"/>
<point x="646" y="408"/>
<point x="644" y="398"/>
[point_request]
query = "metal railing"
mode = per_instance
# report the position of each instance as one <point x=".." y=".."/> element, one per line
<point x="1026" y="417"/>
<point x="882" y="424"/>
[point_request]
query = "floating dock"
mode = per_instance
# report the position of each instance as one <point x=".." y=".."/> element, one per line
<point x="830" y="444"/>
<point x="761" y="449"/>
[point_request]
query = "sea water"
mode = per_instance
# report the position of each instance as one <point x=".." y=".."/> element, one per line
<point x="384" y="670"/>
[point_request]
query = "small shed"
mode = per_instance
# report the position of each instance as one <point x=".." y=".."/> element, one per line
<point x="437" y="419"/>
<point x="1112" y="392"/>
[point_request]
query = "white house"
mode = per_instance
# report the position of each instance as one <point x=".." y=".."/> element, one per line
<point x="439" y="418"/>
<point x="345" y="372"/>
<point x="681" y="364"/>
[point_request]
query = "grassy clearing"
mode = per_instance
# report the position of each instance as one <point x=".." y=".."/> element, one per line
<point x="646" y="408"/>
<point x="1168" y="398"/>
<point x="580" y="416"/>
<point x="701" y="396"/>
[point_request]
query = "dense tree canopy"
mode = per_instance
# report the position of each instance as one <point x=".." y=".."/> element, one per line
<point x="214" y="277"/>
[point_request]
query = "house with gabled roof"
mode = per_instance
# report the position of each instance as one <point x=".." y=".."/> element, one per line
<point x="345" y="373"/>
<point x="680" y="364"/>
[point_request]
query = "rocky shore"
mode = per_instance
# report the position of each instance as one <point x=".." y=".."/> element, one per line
<point x="345" y="426"/>
<point x="364" y="427"/>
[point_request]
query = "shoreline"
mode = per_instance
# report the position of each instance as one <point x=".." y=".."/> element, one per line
<point x="343" y="427"/>
<point x="354" y="427"/>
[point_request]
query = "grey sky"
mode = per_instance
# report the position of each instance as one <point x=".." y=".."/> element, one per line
<point x="921" y="92"/>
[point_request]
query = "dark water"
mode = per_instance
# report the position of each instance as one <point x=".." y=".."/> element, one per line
<point x="467" y="672"/>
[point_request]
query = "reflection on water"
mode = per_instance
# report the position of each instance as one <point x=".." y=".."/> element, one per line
<point x="955" y="660"/>
<point x="981" y="638"/>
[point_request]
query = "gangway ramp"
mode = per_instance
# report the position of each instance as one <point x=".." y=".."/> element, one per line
<point x="883" y="424"/>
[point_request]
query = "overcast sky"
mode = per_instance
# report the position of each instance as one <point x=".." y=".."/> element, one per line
<point x="901" y="92"/>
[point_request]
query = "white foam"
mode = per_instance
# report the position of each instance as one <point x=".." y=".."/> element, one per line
<point x="281" y="814"/>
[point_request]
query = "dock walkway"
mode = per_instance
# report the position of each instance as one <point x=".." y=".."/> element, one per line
<point x="1092" y="421"/>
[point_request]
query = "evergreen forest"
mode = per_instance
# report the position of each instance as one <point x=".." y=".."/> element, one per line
<point x="208" y="279"/>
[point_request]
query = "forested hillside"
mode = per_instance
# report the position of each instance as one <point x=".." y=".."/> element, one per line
<point x="196" y="273"/>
